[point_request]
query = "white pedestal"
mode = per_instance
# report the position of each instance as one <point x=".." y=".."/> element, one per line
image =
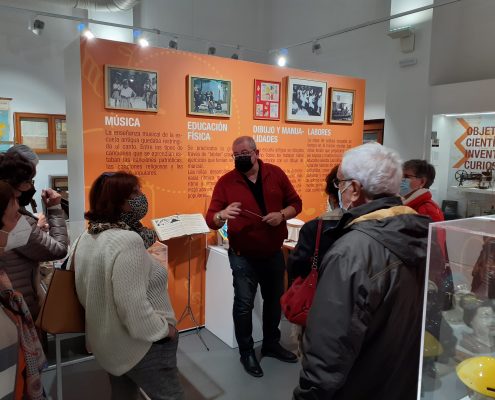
<point x="219" y="299"/>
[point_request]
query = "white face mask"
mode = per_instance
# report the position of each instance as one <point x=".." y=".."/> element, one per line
<point x="341" y="203"/>
<point x="18" y="236"/>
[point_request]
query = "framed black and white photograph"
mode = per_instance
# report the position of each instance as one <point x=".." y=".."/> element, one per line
<point x="306" y="100"/>
<point x="342" y="106"/>
<point x="131" y="89"/>
<point x="209" y="97"/>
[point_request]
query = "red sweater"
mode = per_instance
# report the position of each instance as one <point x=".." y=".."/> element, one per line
<point x="248" y="235"/>
<point x="421" y="202"/>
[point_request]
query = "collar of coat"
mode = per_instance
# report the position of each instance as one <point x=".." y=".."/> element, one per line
<point x="384" y="213"/>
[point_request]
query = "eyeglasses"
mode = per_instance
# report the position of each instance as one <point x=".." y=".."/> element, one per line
<point x="407" y="176"/>
<point x="242" y="154"/>
<point x="337" y="181"/>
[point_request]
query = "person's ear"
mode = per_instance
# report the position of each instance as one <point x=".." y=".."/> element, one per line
<point x="356" y="191"/>
<point x="423" y="181"/>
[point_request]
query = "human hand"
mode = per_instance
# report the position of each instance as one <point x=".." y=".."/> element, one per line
<point x="172" y="331"/>
<point x="232" y="211"/>
<point x="42" y="222"/>
<point x="50" y="197"/>
<point x="273" y="218"/>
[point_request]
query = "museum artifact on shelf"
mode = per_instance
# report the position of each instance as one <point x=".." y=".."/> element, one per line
<point x="459" y="334"/>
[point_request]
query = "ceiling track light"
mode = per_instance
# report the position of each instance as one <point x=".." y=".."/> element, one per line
<point x="83" y="28"/>
<point x="237" y="54"/>
<point x="140" y="38"/>
<point x="282" y="57"/>
<point x="37" y="27"/>
<point x="316" y="47"/>
<point x="173" y="44"/>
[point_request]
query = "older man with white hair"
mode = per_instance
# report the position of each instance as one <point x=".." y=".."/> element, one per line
<point x="363" y="333"/>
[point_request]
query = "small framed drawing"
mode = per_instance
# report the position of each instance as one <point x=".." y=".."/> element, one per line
<point x="266" y="100"/>
<point x="131" y="89"/>
<point x="342" y="106"/>
<point x="306" y="100"/>
<point x="209" y="97"/>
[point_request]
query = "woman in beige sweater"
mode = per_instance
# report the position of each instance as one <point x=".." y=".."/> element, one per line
<point x="130" y="323"/>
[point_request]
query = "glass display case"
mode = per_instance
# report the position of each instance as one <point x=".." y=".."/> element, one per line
<point x="458" y="349"/>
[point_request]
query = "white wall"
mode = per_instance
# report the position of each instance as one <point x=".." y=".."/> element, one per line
<point x="220" y="21"/>
<point x="462" y="42"/>
<point x="362" y="53"/>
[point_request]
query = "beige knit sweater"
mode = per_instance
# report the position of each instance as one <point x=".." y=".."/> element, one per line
<point x="124" y="292"/>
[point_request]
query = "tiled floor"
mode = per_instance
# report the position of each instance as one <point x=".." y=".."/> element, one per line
<point x="206" y="375"/>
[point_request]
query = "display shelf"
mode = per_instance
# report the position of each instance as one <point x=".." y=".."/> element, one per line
<point x="459" y="306"/>
<point x="474" y="190"/>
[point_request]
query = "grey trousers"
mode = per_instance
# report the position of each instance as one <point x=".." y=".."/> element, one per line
<point x="156" y="374"/>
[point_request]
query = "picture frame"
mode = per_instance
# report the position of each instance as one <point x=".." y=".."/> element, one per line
<point x="266" y="100"/>
<point x="306" y="100"/>
<point x="131" y="89"/>
<point x="209" y="97"/>
<point x="342" y="106"/>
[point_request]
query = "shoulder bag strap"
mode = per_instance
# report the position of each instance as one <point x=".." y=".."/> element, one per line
<point x="317" y="244"/>
<point x="71" y="260"/>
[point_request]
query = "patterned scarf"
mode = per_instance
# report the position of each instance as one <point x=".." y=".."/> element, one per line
<point x="97" y="227"/>
<point x="18" y="312"/>
<point x="149" y="236"/>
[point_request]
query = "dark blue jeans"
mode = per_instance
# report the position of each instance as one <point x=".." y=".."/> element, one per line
<point x="247" y="273"/>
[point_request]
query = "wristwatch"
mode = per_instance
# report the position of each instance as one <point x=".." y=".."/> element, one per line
<point x="219" y="218"/>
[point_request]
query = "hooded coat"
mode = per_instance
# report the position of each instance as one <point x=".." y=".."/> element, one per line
<point x="363" y="334"/>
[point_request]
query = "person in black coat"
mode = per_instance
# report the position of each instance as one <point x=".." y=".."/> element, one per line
<point x="300" y="259"/>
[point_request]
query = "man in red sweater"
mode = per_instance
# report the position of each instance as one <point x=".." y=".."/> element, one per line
<point x="419" y="175"/>
<point x="256" y="199"/>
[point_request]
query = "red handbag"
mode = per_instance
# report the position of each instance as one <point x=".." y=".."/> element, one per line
<point x="297" y="300"/>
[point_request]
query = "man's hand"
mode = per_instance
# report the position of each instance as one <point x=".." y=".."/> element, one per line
<point x="232" y="211"/>
<point x="273" y="218"/>
<point x="51" y="197"/>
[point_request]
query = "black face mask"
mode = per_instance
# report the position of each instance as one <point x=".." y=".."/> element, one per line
<point x="25" y="198"/>
<point x="243" y="163"/>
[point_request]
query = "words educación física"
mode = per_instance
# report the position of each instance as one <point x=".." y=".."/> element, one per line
<point x="202" y="131"/>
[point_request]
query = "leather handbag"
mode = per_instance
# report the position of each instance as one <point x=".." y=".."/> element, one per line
<point x="61" y="311"/>
<point x="297" y="300"/>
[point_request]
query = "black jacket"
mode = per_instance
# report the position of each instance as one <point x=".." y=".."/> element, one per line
<point x="362" y="339"/>
<point x="300" y="259"/>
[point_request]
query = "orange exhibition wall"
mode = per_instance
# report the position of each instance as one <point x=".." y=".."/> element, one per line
<point x="179" y="156"/>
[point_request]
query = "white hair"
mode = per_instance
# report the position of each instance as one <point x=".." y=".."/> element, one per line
<point x="26" y="152"/>
<point x="377" y="168"/>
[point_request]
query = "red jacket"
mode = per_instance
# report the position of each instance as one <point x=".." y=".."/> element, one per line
<point x="248" y="235"/>
<point x="421" y="202"/>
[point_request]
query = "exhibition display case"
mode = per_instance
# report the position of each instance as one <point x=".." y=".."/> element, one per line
<point x="458" y="348"/>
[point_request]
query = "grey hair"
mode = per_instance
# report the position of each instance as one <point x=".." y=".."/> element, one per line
<point x="26" y="152"/>
<point x="377" y="168"/>
<point x="249" y="139"/>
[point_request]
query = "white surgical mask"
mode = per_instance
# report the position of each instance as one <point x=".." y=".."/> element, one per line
<point x="18" y="236"/>
<point x="341" y="203"/>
